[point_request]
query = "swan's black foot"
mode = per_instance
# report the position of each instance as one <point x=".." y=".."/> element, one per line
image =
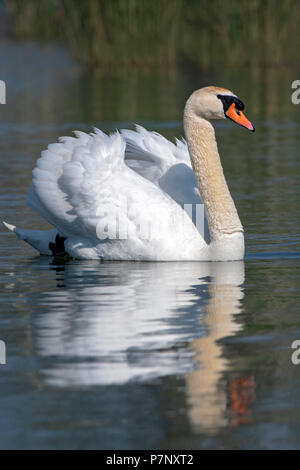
<point x="58" y="248"/>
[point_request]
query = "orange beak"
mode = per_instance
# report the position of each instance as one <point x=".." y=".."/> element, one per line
<point x="237" y="116"/>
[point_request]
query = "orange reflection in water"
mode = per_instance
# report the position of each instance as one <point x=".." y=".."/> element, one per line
<point x="241" y="396"/>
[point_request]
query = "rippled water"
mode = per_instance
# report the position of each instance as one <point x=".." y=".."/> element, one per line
<point x="150" y="355"/>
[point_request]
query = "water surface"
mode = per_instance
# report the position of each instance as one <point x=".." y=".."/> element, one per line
<point x="150" y="355"/>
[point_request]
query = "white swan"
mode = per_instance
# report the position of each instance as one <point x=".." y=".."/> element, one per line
<point x="103" y="205"/>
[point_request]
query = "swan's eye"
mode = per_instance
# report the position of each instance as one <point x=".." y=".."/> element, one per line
<point x="231" y="101"/>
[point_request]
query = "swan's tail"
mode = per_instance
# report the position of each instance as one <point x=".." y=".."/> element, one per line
<point x="38" y="239"/>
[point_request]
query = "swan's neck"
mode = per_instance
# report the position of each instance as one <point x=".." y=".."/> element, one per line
<point x="222" y="216"/>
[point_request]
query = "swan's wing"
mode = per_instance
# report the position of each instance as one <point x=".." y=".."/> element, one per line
<point x="82" y="186"/>
<point x="73" y="179"/>
<point x="151" y="154"/>
<point x="162" y="162"/>
<point x="167" y="165"/>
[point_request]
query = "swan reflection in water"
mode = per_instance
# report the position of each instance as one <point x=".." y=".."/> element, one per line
<point x="112" y="323"/>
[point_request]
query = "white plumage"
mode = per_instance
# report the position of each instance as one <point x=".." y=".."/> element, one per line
<point x="82" y="186"/>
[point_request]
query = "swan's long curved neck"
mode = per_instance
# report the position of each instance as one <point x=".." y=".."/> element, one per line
<point x="222" y="216"/>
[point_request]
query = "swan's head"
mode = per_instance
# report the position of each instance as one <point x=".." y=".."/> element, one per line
<point x="212" y="102"/>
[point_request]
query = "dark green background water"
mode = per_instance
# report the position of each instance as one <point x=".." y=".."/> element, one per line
<point x="150" y="355"/>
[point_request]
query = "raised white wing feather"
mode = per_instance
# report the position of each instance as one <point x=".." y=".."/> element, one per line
<point x="69" y="181"/>
<point x="166" y="164"/>
<point x="81" y="183"/>
<point x="163" y="162"/>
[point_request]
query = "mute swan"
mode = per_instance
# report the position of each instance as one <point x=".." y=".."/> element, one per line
<point x="103" y="205"/>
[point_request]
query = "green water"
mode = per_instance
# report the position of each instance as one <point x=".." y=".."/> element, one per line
<point x="150" y="355"/>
